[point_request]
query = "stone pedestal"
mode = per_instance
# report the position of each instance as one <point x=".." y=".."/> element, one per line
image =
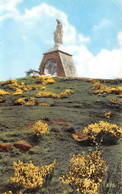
<point x="57" y="63"/>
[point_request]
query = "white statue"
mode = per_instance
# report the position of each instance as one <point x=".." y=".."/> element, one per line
<point x="58" y="34"/>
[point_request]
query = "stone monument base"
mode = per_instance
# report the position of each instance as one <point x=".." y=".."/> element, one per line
<point x="57" y="63"/>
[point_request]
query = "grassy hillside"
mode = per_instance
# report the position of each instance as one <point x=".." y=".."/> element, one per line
<point x="81" y="108"/>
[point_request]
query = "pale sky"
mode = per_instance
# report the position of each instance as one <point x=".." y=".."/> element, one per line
<point x="92" y="33"/>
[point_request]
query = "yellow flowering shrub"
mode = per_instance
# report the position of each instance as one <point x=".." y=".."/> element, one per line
<point x="44" y="104"/>
<point x="28" y="175"/>
<point x="85" y="172"/>
<point x="20" y="101"/>
<point x="107" y="115"/>
<point x="43" y="88"/>
<point x="2" y="99"/>
<point x="36" y="76"/>
<point x="10" y="192"/>
<point x="2" y="92"/>
<point x="26" y="101"/>
<point x="113" y="100"/>
<point x="8" y="82"/>
<point x="36" y="86"/>
<point x="117" y="90"/>
<point x="40" y="127"/>
<point x="18" y="91"/>
<point x="103" y="89"/>
<point x="13" y="84"/>
<point x="46" y="80"/>
<point x="120" y="95"/>
<point x="64" y="94"/>
<point x="31" y="87"/>
<point x="24" y="87"/>
<point x="93" y="130"/>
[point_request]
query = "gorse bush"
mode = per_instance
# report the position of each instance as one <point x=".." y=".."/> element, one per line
<point x="85" y="173"/>
<point x="44" y="104"/>
<point x="36" y="76"/>
<point x="10" y="192"/>
<point x="107" y="115"/>
<point x="93" y="130"/>
<point x="113" y="100"/>
<point x="2" y="92"/>
<point x="40" y="127"/>
<point x="46" y="80"/>
<point x="18" y="91"/>
<point x="28" y="175"/>
<point x="26" y="101"/>
<point x="21" y="87"/>
<point x="120" y="95"/>
<point x="101" y="132"/>
<point x="64" y="94"/>
<point x="2" y="99"/>
<point x="8" y="82"/>
<point x="103" y="89"/>
<point x="24" y="87"/>
<point x="100" y="88"/>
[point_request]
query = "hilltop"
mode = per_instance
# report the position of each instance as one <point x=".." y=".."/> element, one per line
<point x="79" y="107"/>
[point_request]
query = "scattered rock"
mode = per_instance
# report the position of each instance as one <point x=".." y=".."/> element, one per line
<point x="4" y="147"/>
<point x="79" y="136"/>
<point x="23" y="146"/>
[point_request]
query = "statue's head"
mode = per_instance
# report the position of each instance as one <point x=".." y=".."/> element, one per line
<point x="58" y="21"/>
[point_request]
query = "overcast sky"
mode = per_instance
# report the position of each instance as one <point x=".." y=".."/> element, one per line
<point x="92" y="33"/>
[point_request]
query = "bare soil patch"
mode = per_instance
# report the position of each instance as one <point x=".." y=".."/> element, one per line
<point x="56" y="122"/>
